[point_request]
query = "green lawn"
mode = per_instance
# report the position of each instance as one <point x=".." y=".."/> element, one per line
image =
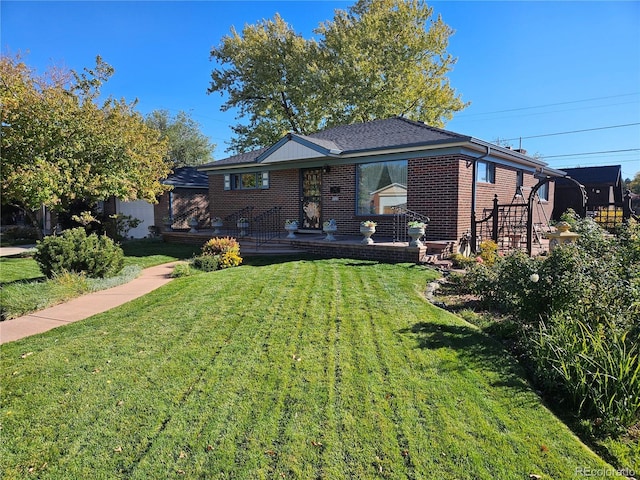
<point x="325" y="369"/>
<point x="24" y="289"/>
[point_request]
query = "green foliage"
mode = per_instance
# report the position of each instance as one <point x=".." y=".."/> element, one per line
<point x="488" y="252"/>
<point x="118" y="225"/>
<point x="61" y="143"/>
<point x="74" y="251"/>
<point x="460" y="261"/>
<point x="181" y="270"/>
<point x="187" y="145"/>
<point x="375" y="60"/>
<point x="219" y="245"/>
<point x="579" y="308"/>
<point x="206" y="263"/>
<point x="597" y="366"/>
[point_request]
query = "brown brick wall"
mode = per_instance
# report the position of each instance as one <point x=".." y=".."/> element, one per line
<point x="186" y="202"/>
<point x="439" y="187"/>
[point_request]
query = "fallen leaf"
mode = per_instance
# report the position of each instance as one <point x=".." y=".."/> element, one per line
<point x="97" y="370"/>
<point x="316" y="444"/>
<point x="118" y="449"/>
<point x="405" y="453"/>
<point x="209" y="448"/>
<point x="544" y="448"/>
<point x="533" y="476"/>
<point x="182" y="454"/>
<point x="270" y="452"/>
<point x="120" y="403"/>
<point x="25" y="355"/>
<point x="181" y="472"/>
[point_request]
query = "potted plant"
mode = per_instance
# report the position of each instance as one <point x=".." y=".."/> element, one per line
<point x="243" y="224"/>
<point x="291" y="226"/>
<point x="330" y="227"/>
<point x="216" y="223"/>
<point x="167" y="222"/>
<point x="367" y="228"/>
<point x="416" y="231"/>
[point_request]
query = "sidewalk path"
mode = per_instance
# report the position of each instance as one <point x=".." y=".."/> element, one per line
<point x="9" y="251"/>
<point x="86" y="305"/>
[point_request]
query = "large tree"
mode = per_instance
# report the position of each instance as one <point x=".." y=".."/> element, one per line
<point x="378" y="59"/>
<point x="61" y="144"/>
<point x="187" y="145"/>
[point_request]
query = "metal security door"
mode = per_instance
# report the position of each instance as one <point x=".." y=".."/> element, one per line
<point x="311" y="198"/>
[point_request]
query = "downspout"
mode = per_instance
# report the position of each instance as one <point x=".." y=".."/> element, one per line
<point x="474" y="233"/>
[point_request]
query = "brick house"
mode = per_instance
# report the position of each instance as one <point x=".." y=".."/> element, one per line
<point x="344" y="173"/>
<point x="189" y="198"/>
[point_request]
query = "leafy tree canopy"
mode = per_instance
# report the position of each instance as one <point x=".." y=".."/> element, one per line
<point x="379" y="59"/>
<point x="59" y="143"/>
<point x="187" y="145"/>
<point x="634" y="185"/>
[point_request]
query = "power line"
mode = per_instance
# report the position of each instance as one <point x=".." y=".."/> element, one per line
<point x="591" y="153"/>
<point x="572" y="131"/>
<point x="547" y="105"/>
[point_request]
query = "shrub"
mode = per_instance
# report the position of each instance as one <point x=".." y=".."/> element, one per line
<point x="74" y="251"/>
<point x="181" y="270"/>
<point x="206" y="263"/>
<point x="489" y="252"/>
<point x="229" y="259"/>
<point x="227" y="250"/>
<point x="460" y="261"/>
<point x="218" y="245"/>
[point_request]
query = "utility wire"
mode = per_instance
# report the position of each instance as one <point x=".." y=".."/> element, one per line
<point x="547" y="105"/>
<point x="592" y="153"/>
<point x="572" y="131"/>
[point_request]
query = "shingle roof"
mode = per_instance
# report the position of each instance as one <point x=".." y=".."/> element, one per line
<point x="610" y="175"/>
<point x="187" y="177"/>
<point x="396" y="132"/>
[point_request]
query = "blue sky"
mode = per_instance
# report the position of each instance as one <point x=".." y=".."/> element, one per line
<point x="528" y="68"/>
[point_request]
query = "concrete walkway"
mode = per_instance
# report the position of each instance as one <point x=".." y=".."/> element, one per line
<point x="10" y="251"/>
<point x="86" y="305"/>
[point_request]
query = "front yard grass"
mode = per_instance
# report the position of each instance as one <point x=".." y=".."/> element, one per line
<point x="325" y="369"/>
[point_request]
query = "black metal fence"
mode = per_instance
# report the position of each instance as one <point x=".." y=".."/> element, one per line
<point x="401" y="217"/>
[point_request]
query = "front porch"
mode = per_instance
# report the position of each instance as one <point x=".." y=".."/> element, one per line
<point x="344" y="246"/>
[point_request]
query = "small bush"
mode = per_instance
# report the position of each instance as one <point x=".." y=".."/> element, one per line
<point x="206" y="263"/>
<point x="229" y="259"/>
<point x="460" y="261"/>
<point x="489" y="252"/>
<point x="74" y="251"/>
<point x="218" y="245"/>
<point x="226" y="249"/>
<point x="181" y="270"/>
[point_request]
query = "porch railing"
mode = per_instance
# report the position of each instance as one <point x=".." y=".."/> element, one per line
<point x="267" y="225"/>
<point x="401" y="217"/>
<point x="231" y="221"/>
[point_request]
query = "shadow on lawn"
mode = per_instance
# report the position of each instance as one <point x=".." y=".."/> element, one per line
<point x="473" y="348"/>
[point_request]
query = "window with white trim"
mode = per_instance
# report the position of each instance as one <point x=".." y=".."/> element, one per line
<point x="246" y="181"/>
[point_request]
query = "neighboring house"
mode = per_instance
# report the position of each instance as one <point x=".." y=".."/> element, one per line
<point x="603" y="187"/>
<point x="360" y="171"/>
<point x="189" y="198"/>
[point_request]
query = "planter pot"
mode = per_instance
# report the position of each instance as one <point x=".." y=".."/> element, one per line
<point x="330" y="230"/>
<point x="216" y="227"/>
<point x="292" y="228"/>
<point x="243" y="226"/>
<point x="415" y="233"/>
<point x="194" y="226"/>
<point x="167" y="227"/>
<point x="367" y="232"/>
